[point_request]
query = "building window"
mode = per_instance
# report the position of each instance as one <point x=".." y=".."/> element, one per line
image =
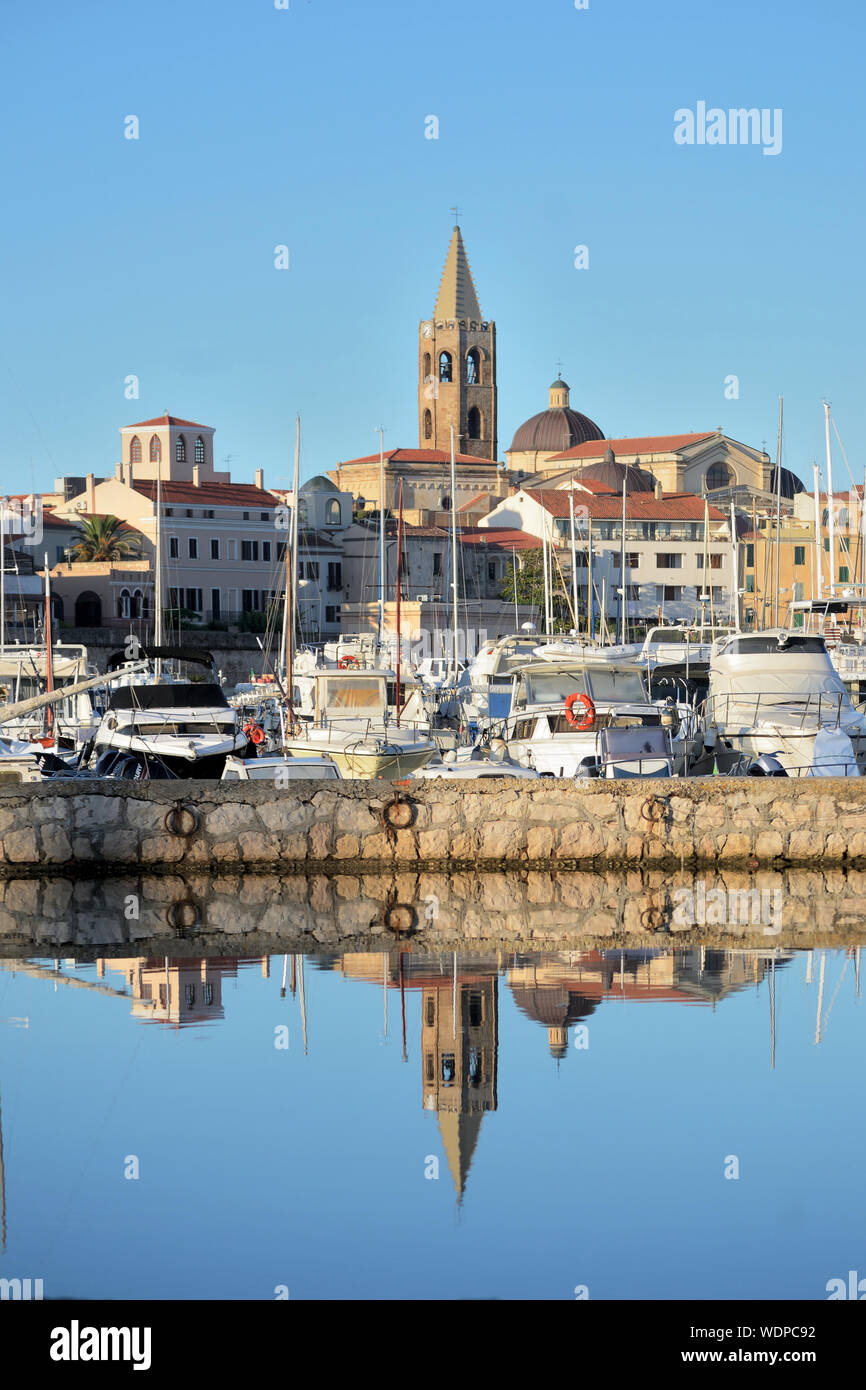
<point x="473" y="422"/>
<point x="843" y="574"/>
<point x="476" y="1010"/>
<point x="827" y="544"/>
<point x="312" y="569"/>
<point x="180" y="449"/>
<point x="199" y="450"/>
<point x="720" y="475"/>
<point x="491" y="570"/>
<point x="190" y="512"/>
<point x="750" y="583"/>
<point x="799" y="555"/>
<point x="250" y="600"/>
<point x="699" y="561"/>
<point x="215" y="602"/>
<point x="266" y="550"/>
<point x="124" y="609"/>
<point x="214" y="549"/>
<point x="173" y="548"/>
<point x="473" y="367"/>
<point x="716" y="562"/>
<point x="135" y="449"/>
<point x="208" y="516"/>
<point x="449" y="1069"/>
<point x="445" y="366"/>
<point x="428" y="425"/>
<point x="207" y="994"/>
<point x="193" y="548"/>
<point x="333" y="516"/>
<point x="193" y="600"/>
<point x="437" y="561"/>
<point x="282" y="547"/>
<point x="189" y="995"/>
<point x="335" y="574"/>
<point x="750" y="556"/>
<point x="430" y="1011"/>
<point x="232" y="549"/>
<point x="246" y="516"/>
<point x="168" y="511"/>
<point x="249" y="550"/>
<point x="332" y="614"/>
<point x="672" y="593"/>
<point x="264" y="516"/>
<point x="155" y="449"/>
<point x="668" y="560"/>
<point x="632" y="559"/>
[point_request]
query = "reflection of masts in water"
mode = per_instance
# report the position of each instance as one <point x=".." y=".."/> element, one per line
<point x="294" y="984"/>
<point x="285" y="974"/>
<point x="303" y="1004"/>
<point x="820" y="997"/>
<point x="385" y="988"/>
<point x="810" y="955"/>
<point x="773" y="1014"/>
<point x="857" y="972"/>
<point x="403" y="1006"/>
<point x="2" y="1190"/>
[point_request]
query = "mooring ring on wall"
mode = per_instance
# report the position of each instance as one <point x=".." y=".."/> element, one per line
<point x="400" y="918"/>
<point x="653" y="810"/>
<point x="398" y="814"/>
<point x="183" y="915"/>
<point x="652" y="918"/>
<point x="182" y="820"/>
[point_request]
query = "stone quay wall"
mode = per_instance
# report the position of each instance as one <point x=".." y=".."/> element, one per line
<point x="97" y="828"/>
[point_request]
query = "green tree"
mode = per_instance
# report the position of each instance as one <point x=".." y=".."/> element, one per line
<point x="530" y="588"/>
<point x="100" y="538"/>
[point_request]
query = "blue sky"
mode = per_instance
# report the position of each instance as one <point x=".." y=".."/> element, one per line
<point x="305" y="127"/>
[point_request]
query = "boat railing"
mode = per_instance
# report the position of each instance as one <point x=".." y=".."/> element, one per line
<point x="822" y="709"/>
<point x="376" y="728"/>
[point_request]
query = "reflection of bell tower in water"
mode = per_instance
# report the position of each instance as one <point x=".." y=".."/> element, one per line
<point x="459" y="1040"/>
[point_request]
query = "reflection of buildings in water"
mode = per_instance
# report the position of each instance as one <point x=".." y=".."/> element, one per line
<point x="459" y="1040"/>
<point x="560" y="990"/>
<point x="181" y="991"/>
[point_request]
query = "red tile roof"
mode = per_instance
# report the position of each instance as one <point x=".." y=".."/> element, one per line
<point x="502" y="537"/>
<point x="209" y="494"/>
<point x="166" y="420"/>
<point x="418" y="456"/>
<point x="646" y="444"/>
<point x="684" y="506"/>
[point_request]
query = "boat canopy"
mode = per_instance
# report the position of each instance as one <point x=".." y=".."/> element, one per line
<point x="172" y="695"/>
<point x="195" y="654"/>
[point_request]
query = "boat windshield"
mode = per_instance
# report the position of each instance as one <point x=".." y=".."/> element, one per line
<point x="361" y="697"/>
<point x="611" y="684"/>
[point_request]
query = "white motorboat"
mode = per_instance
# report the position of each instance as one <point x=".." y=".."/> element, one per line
<point x="187" y="727"/>
<point x="23" y="674"/>
<point x="351" y="724"/>
<point x="274" y="767"/>
<point x="776" y="695"/>
<point x="597" y="720"/>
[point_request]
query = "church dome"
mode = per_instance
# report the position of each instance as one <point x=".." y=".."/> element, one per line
<point x="791" y="484"/>
<point x="615" y="474"/>
<point x="555" y="430"/>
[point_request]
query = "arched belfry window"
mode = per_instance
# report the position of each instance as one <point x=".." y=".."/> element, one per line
<point x="445" y="367"/>
<point x="199" y="450"/>
<point x="155" y="449"/>
<point x="428" y="425"/>
<point x="473" y="367"/>
<point x="473" y="423"/>
<point x="135" y="449"/>
<point x="180" y="449"/>
<point x="333" y="515"/>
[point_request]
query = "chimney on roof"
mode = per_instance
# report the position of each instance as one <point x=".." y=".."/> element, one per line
<point x="196" y="475"/>
<point x="91" y="494"/>
<point x="118" y="472"/>
<point x="260" y="479"/>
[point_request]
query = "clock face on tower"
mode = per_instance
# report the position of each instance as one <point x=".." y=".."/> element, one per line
<point x="427" y="329"/>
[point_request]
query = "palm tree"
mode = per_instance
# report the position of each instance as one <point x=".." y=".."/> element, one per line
<point x="102" y="539"/>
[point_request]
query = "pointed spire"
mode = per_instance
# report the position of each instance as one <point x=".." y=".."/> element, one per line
<point x="457" y="298"/>
<point x="459" y="1137"/>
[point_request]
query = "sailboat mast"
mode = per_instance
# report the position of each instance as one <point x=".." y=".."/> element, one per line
<point x="735" y="582"/>
<point x="157" y="578"/>
<point x="49" y="655"/>
<point x="381" y="611"/>
<point x="778" y="516"/>
<point x="454" y="549"/>
<point x="831" y="520"/>
<point x="573" y="560"/>
<point x="2" y="579"/>
<point x="623" y="619"/>
<point x="399" y="587"/>
<point x="817" y="591"/>
<point x="291" y="552"/>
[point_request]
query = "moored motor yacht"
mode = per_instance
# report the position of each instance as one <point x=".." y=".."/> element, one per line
<point x="597" y="720"/>
<point x="776" y="694"/>
<point x="352" y="725"/>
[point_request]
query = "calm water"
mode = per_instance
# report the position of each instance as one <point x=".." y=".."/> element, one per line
<point x="436" y="1127"/>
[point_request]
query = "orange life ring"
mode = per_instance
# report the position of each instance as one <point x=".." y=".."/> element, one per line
<point x="257" y="734"/>
<point x="346" y="661"/>
<point x="588" y="711"/>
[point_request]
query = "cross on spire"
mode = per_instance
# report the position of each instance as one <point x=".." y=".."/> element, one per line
<point x="456" y="212"/>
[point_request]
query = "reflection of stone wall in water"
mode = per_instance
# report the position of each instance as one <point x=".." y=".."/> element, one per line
<point x="255" y="913"/>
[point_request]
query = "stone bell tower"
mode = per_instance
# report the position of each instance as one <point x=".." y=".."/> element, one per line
<point x="457" y="365"/>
